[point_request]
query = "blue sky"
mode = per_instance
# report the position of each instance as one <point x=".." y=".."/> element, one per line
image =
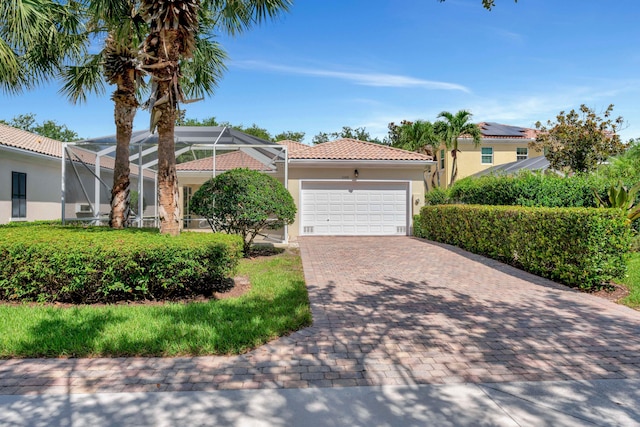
<point x="358" y="63"/>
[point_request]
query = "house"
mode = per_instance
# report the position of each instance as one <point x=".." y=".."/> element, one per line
<point x="342" y="187"/>
<point x="500" y="144"/>
<point x="31" y="179"/>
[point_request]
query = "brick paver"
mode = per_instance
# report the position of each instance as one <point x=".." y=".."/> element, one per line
<point x="387" y="311"/>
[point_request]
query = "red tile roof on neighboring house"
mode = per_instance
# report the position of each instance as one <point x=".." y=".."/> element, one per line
<point x="224" y="162"/>
<point x="21" y="139"/>
<point x="24" y="140"/>
<point x="353" y="149"/>
<point x="293" y="146"/>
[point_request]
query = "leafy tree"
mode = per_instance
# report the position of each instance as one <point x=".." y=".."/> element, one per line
<point x="580" y="140"/>
<point x="256" y="131"/>
<point x="244" y="202"/>
<point x="360" y="134"/>
<point x="48" y="128"/>
<point x="450" y="129"/>
<point x="290" y="136"/>
<point x="419" y="136"/>
<point x="36" y="37"/>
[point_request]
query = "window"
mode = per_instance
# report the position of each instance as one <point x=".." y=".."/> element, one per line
<point x="487" y="155"/>
<point x="18" y="195"/>
<point x="522" y="153"/>
<point x="441" y="159"/>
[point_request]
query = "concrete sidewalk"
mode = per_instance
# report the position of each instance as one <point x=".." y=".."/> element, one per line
<point x="565" y="403"/>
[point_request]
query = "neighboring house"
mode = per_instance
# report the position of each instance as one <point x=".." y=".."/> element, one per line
<point x="31" y="179"/>
<point x="500" y="144"/>
<point x="342" y="187"/>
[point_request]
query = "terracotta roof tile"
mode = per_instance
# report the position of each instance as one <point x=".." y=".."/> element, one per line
<point x="19" y="138"/>
<point x="352" y="149"/>
<point x="293" y="146"/>
<point x="224" y="162"/>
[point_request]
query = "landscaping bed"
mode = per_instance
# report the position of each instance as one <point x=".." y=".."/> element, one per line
<point x="273" y="303"/>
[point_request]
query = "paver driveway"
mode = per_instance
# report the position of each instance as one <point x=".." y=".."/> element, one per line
<point x="390" y="310"/>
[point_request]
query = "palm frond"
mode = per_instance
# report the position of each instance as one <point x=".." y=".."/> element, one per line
<point x="202" y="73"/>
<point x="80" y="80"/>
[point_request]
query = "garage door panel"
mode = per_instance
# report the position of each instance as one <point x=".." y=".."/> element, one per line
<point x="354" y="208"/>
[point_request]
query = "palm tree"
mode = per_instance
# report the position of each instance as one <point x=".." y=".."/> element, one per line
<point x="120" y="65"/>
<point x="174" y="26"/>
<point x="36" y="37"/>
<point x="451" y="129"/>
<point x="420" y="136"/>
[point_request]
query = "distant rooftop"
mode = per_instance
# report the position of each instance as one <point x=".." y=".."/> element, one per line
<point x="498" y="130"/>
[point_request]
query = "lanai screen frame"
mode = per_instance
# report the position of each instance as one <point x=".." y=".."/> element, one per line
<point x="186" y="138"/>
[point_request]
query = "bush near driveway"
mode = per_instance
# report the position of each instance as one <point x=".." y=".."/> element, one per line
<point x="580" y="247"/>
<point x="49" y="263"/>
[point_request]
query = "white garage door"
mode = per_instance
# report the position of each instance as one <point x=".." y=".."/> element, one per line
<point x="354" y="208"/>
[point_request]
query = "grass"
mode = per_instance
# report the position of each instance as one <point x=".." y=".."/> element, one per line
<point x="632" y="280"/>
<point x="276" y="305"/>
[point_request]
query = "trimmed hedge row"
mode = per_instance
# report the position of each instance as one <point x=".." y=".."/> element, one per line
<point x="48" y="263"/>
<point x="529" y="189"/>
<point x="580" y="247"/>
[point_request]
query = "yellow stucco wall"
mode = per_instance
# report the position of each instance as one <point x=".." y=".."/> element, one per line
<point x="470" y="157"/>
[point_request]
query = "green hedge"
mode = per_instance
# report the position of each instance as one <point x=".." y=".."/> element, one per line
<point x="49" y="263"/>
<point x="580" y="247"/>
<point x="529" y="189"/>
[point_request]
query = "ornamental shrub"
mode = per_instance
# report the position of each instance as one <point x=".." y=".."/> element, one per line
<point x="244" y="202"/>
<point x="48" y="263"/>
<point x="580" y="247"/>
<point x="436" y="196"/>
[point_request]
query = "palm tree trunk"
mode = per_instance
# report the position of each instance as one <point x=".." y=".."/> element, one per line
<point x="124" y="113"/>
<point x="454" y="167"/>
<point x="168" y="196"/>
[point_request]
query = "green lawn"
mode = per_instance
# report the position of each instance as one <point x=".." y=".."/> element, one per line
<point x="276" y="305"/>
<point x="632" y="280"/>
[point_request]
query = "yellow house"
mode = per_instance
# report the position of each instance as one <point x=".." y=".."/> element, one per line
<point x="500" y="144"/>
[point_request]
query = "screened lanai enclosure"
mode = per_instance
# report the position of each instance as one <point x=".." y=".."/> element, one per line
<point x="202" y="152"/>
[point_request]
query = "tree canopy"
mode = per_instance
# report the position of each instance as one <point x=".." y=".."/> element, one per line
<point x="579" y="141"/>
<point x="360" y="134"/>
<point x="244" y="202"/>
<point x="254" y="129"/>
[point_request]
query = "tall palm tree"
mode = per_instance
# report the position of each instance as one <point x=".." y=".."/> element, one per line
<point x="174" y="26"/>
<point x="452" y="127"/>
<point x="36" y="37"/>
<point x="120" y="64"/>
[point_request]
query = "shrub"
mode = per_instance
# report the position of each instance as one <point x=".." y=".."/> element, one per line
<point x="580" y="247"/>
<point x="530" y="189"/>
<point x="436" y="196"/>
<point x="244" y="202"/>
<point x="96" y="264"/>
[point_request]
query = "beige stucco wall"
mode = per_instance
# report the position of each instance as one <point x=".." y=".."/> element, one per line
<point x="470" y="157"/>
<point x="412" y="174"/>
<point x="43" y="185"/>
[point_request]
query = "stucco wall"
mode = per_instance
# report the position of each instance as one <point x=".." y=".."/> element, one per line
<point x="470" y="157"/>
<point x="413" y="174"/>
<point x="43" y="185"/>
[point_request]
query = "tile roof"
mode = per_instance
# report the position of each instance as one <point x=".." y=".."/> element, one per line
<point x="224" y="162"/>
<point x="22" y="139"/>
<point x="353" y="149"/>
<point x="293" y="146"/>
<point x="18" y="138"/>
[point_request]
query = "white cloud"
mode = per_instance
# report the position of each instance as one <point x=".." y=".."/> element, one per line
<point x="365" y="79"/>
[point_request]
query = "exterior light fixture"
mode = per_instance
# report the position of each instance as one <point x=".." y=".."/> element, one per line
<point x="355" y="173"/>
